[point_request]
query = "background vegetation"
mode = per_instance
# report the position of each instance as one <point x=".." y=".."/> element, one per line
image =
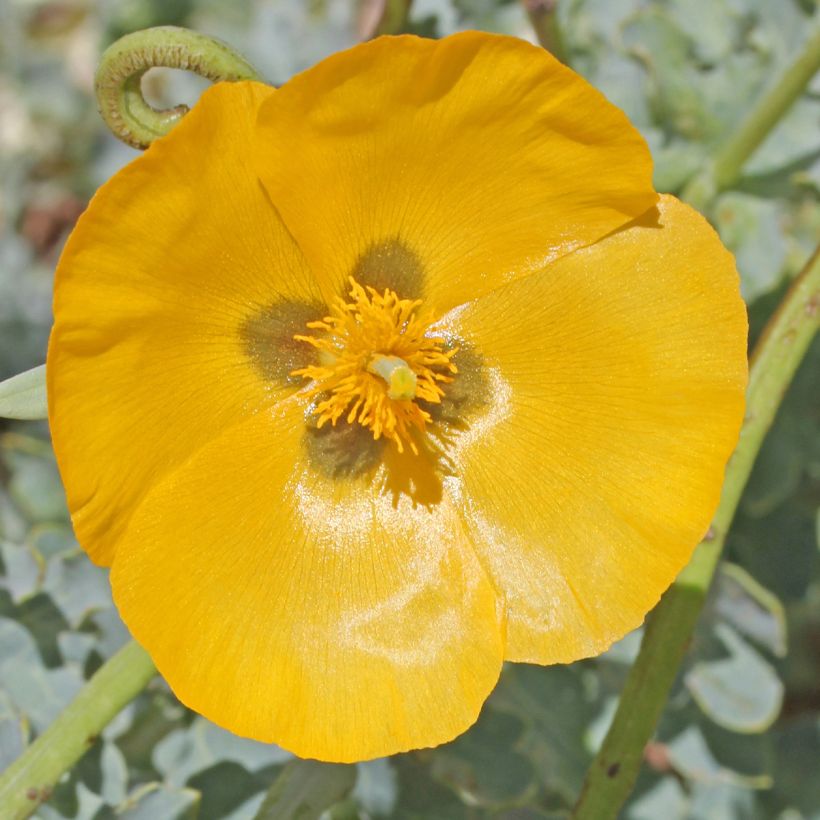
<point x="740" y="737"/>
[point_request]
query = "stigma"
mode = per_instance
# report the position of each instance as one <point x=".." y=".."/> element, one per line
<point x="398" y="375"/>
<point x="377" y="360"/>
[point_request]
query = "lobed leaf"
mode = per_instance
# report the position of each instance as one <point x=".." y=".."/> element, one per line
<point x="741" y="692"/>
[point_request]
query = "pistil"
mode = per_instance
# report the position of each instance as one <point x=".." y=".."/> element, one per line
<point x="401" y="380"/>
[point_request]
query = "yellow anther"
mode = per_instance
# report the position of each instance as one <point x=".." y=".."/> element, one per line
<point x="375" y="361"/>
<point x="401" y="380"/>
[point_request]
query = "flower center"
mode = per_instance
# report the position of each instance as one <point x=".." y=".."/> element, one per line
<point x="375" y="362"/>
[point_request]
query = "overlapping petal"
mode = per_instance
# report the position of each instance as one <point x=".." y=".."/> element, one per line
<point x="161" y="295"/>
<point x="329" y="616"/>
<point x="443" y="168"/>
<point x="617" y="377"/>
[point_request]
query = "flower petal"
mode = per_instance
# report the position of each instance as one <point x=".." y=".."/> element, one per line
<point x="320" y="613"/>
<point x="617" y="379"/>
<point x="444" y="168"/>
<point x="165" y="295"/>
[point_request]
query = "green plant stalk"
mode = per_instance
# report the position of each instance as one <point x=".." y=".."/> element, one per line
<point x="543" y="16"/>
<point x="724" y="171"/>
<point x="30" y="780"/>
<point x="118" y="81"/>
<point x="395" y="17"/>
<point x="767" y="113"/>
<point x="779" y="351"/>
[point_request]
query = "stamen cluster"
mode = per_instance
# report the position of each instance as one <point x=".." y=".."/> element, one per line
<point x="372" y="327"/>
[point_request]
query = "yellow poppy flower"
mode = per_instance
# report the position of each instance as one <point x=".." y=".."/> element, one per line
<point x="368" y="383"/>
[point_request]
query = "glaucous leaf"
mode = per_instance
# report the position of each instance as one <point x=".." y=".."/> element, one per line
<point x="38" y="693"/>
<point x="306" y="788"/>
<point x="483" y="766"/>
<point x="376" y="789"/>
<point x="158" y="800"/>
<point x="740" y="692"/>
<point x="34" y="485"/>
<point x="751" y="228"/>
<point x="183" y="752"/>
<point x="750" y="608"/>
<point x="24" y="396"/>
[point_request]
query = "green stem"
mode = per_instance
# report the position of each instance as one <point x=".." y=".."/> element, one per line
<point x="30" y="780"/>
<point x="767" y="113"/>
<point x="669" y="629"/>
<point x="724" y="171"/>
<point x="395" y="17"/>
<point x="118" y="81"/>
<point x="543" y="16"/>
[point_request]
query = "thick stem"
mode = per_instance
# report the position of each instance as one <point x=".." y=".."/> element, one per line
<point x="30" y="780"/>
<point x="767" y="113"/>
<point x="724" y="171"/>
<point x="543" y="16"/>
<point x="669" y="629"/>
<point x="118" y="81"/>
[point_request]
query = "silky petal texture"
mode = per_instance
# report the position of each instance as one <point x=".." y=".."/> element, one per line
<point x="617" y="378"/>
<point x="146" y="360"/>
<point x="311" y="612"/>
<point x="443" y="168"/>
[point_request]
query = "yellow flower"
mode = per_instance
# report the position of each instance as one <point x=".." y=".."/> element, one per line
<point x="364" y="385"/>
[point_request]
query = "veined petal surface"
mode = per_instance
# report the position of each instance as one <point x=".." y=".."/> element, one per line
<point x="312" y="586"/>
<point x="618" y="376"/>
<point x="160" y="293"/>
<point x="327" y="615"/>
<point x="444" y="168"/>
